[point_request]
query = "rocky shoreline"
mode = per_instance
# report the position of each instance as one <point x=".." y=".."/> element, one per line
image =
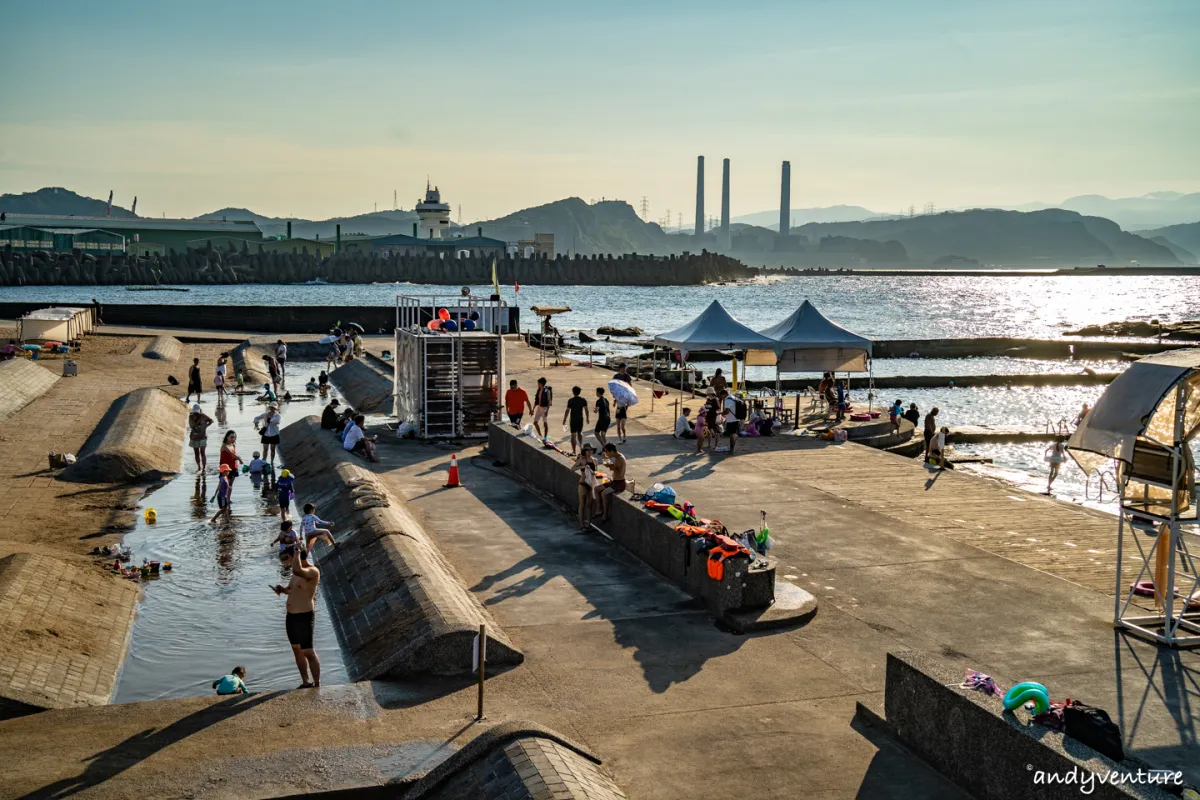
<point x="1184" y="331"/>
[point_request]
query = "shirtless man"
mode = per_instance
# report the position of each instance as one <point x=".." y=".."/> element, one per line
<point x="301" y="616"/>
<point x="614" y="459"/>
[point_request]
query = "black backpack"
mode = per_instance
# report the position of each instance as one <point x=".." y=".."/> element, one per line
<point x="739" y="408"/>
<point x="1093" y="727"/>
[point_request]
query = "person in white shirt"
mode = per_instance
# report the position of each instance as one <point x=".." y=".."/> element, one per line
<point x="281" y="358"/>
<point x="937" y="448"/>
<point x="269" y="430"/>
<point x="684" y="429"/>
<point x="309" y="530"/>
<point x="355" y="441"/>
<point x="732" y="423"/>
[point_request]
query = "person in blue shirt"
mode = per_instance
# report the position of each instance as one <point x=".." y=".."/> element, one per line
<point x="285" y="491"/>
<point x="233" y="683"/>
<point x="895" y="414"/>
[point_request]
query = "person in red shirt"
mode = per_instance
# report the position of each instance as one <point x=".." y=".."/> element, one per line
<point x="516" y="401"/>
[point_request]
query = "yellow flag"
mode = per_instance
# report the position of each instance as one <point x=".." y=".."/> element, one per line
<point x="495" y="283"/>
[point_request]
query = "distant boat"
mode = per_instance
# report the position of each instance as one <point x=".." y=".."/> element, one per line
<point x="315" y="282"/>
<point x="157" y="289"/>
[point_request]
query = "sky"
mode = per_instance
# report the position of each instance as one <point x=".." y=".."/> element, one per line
<point x="318" y="109"/>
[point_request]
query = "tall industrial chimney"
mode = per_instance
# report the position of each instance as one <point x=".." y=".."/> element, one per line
<point x="726" y="241"/>
<point x="699" y="195"/>
<point x="785" y="199"/>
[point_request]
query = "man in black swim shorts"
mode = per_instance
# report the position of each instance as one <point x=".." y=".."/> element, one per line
<point x="301" y="616"/>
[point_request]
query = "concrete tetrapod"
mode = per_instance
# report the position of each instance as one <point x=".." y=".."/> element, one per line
<point x="139" y="439"/>
<point x="398" y="605"/>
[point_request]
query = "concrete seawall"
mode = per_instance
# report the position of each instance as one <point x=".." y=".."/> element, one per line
<point x="364" y="385"/>
<point x="968" y="737"/>
<point x="163" y="348"/>
<point x="746" y="599"/>
<point x="247" y="357"/>
<point x="398" y="605"/>
<point x="140" y="438"/>
<point x="22" y="382"/>
<point x="518" y="759"/>
<point x="64" y="630"/>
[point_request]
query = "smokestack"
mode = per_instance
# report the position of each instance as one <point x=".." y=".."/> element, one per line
<point x="785" y="199"/>
<point x="699" y="195"/>
<point x="289" y="230"/>
<point x="337" y="248"/>
<point x="414" y="230"/>
<point x="725" y="237"/>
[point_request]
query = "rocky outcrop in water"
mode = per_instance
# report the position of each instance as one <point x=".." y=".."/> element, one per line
<point x="1186" y="331"/>
<point x="215" y="266"/>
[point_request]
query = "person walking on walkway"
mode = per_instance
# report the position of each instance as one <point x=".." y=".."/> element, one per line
<point x="198" y="423"/>
<point x="603" y="417"/>
<point x="1056" y="454"/>
<point x="300" y="622"/>
<point x="577" y="413"/>
<point x="516" y="401"/>
<point x="543" y="398"/>
<point x="194" y="385"/>
<point x="930" y="428"/>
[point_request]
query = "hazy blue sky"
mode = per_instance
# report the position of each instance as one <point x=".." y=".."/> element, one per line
<point x="318" y="109"/>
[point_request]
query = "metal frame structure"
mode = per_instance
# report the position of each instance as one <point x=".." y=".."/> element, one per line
<point x="1176" y="620"/>
<point x="416" y="384"/>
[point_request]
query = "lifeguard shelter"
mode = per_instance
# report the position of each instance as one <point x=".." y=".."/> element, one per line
<point x="1143" y="426"/>
<point x="449" y="364"/>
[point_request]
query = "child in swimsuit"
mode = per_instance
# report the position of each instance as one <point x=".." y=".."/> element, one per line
<point x="287" y="539"/>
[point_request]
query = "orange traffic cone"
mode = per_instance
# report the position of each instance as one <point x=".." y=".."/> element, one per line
<point x="452" y="482"/>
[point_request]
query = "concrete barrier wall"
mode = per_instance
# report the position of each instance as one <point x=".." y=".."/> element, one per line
<point x="140" y="438"/>
<point x="645" y="535"/>
<point x="64" y="630"/>
<point x="968" y="737"/>
<point x="21" y="382"/>
<point x="163" y="348"/>
<point x="518" y="760"/>
<point x="247" y="357"/>
<point x="364" y="386"/>
<point x="397" y="604"/>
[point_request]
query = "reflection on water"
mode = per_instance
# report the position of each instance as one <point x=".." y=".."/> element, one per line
<point x="215" y="609"/>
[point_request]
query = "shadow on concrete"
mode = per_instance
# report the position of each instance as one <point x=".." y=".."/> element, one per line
<point x="894" y="772"/>
<point x="686" y="466"/>
<point x="671" y="634"/>
<point x="413" y="692"/>
<point x="137" y="748"/>
<point x="933" y="480"/>
<point x="1151" y="680"/>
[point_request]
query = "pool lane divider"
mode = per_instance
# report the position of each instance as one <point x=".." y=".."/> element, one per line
<point x="399" y="607"/>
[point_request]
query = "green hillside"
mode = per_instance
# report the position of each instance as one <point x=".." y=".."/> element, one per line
<point x="59" y="202"/>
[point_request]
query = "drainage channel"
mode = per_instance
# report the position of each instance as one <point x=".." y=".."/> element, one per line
<point x="215" y="608"/>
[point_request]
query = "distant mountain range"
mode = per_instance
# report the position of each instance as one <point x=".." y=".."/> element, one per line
<point x="1153" y="210"/>
<point x="1043" y="237"/>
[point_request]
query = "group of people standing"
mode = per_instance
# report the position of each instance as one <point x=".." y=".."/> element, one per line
<point x="578" y="412"/>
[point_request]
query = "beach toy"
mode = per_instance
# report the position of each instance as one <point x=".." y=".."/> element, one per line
<point x="146" y="571"/>
<point x="434" y="324"/>
<point x="166" y="566"/>
<point x="622" y="393"/>
<point x="450" y="325"/>
<point x="155" y="566"/>
<point x="1142" y="588"/>
<point x="151" y="516"/>
<point x="1027" y="692"/>
<point x="468" y="324"/>
<point x="443" y="314"/>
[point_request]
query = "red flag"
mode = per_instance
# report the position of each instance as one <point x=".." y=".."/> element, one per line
<point x="517" y="287"/>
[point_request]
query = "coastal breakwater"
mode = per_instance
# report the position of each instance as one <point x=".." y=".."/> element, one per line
<point x="398" y="606"/>
<point x="213" y="265"/>
<point x="22" y="382"/>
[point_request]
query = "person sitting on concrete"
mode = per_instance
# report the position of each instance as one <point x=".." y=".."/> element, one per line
<point x="357" y="441"/>
<point x="684" y="428"/>
<point x="233" y="683"/>
<point x="585" y="464"/>
<point x="616" y="461"/>
<point x="310" y="531"/>
<point x="329" y="416"/>
<point x="344" y="423"/>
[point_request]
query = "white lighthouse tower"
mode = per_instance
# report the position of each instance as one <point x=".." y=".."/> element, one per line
<point x="433" y="213"/>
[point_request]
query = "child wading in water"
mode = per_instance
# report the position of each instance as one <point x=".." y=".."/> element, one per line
<point x="233" y="683"/>
<point x="288" y="539"/>
<point x="222" y="494"/>
<point x="285" y="490"/>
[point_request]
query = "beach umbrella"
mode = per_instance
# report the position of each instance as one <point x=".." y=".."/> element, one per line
<point x="357" y="326"/>
<point x="327" y="339"/>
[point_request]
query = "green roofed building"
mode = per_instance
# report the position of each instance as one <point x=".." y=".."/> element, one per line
<point x="26" y="238"/>
<point x="169" y="234"/>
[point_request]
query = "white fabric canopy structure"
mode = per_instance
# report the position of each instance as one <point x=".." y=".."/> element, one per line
<point x="714" y="329"/>
<point x="1140" y="402"/>
<point x="808" y="342"/>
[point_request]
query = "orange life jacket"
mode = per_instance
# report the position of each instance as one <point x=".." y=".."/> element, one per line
<point x="725" y="548"/>
<point x="690" y="530"/>
<point x="656" y="506"/>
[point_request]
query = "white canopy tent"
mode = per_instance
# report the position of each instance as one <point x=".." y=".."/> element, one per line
<point x="714" y="329"/>
<point x="1144" y="424"/>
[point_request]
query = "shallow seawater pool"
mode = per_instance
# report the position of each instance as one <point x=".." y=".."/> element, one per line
<point x="215" y="609"/>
